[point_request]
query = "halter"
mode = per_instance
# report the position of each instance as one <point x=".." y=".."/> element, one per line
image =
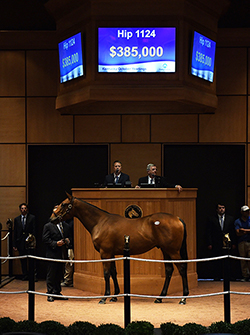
<point x="68" y="209"/>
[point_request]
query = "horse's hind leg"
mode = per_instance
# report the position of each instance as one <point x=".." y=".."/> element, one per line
<point x="106" y="267"/>
<point x="169" y="268"/>
<point x="113" y="273"/>
<point x="182" y="267"/>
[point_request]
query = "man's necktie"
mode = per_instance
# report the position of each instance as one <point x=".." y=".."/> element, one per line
<point x="116" y="179"/>
<point x="222" y="222"/>
<point x="61" y="229"/>
<point x="23" y="222"/>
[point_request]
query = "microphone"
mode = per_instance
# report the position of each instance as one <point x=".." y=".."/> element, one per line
<point x="117" y="171"/>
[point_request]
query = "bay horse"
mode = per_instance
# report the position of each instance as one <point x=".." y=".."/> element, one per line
<point x="161" y="230"/>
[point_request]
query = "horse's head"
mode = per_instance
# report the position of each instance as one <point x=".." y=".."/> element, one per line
<point x="62" y="211"/>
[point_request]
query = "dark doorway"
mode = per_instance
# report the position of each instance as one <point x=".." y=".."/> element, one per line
<point x="218" y="171"/>
<point x="54" y="169"/>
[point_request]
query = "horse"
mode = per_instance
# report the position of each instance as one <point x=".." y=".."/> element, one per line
<point x="161" y="230"/>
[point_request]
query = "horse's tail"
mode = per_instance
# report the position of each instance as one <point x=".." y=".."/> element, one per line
<point x="183" y="251"/>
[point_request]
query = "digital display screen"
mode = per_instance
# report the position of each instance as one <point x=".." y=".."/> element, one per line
<point x="203" y="55"/>
<point x="136" y="49"/>
<point x="70" y="58"/>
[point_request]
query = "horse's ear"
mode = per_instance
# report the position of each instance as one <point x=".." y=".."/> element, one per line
<point x="69" y="196"/>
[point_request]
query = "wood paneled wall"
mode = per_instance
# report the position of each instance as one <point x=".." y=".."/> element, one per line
<point x="28" y="88"/>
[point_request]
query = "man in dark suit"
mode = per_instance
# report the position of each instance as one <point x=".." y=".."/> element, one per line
<point x="157" y="181"/>
<point x="56" y="237"/>
<point x="117" y="177"/>
<point x="24" y="225"/>
<point x="69" y="266"/>
<point x="217" y="226"/>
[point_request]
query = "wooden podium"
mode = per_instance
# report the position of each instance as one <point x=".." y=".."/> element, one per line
<point x="146" y="277"/>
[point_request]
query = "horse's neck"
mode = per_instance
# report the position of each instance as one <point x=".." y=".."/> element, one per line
<point x="87" y="214"/>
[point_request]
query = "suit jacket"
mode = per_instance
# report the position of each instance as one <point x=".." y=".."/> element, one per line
<point x="20" y="233"/>
<point x="159" y="182"/>
<point x="51" y="235"/>
<point x="215" y="234"/>
<point x="110" y="179"/>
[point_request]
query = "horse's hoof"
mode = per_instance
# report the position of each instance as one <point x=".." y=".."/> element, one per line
<point x="102" y="301"/>
<point x="183" y="301"/>
<point x="158" y="301"/>
<point x="114" y="299"/>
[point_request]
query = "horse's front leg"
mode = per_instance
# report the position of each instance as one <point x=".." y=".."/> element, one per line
<point x="113" y="273"/>
<point x="106" y="268"/>
<point x="169" y="268"/>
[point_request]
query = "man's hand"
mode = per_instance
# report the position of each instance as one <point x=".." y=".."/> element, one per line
<point x="179" y="188"/>
<point x="60" y="243"/>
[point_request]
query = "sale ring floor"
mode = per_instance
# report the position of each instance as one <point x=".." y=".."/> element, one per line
<point x="205" y="310"/>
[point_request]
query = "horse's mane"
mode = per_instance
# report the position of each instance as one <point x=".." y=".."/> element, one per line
<point x="102" y="210"/>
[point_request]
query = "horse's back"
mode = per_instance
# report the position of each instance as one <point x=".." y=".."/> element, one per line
<point x="168" y="229"/>
<point x="147" y="225"/>
<point x="161" y="230"/>
<point x="164" y="221"/>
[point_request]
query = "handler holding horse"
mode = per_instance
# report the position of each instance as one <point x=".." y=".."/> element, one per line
<point x="161" y="230"/>
<point x="56" y="238"/>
